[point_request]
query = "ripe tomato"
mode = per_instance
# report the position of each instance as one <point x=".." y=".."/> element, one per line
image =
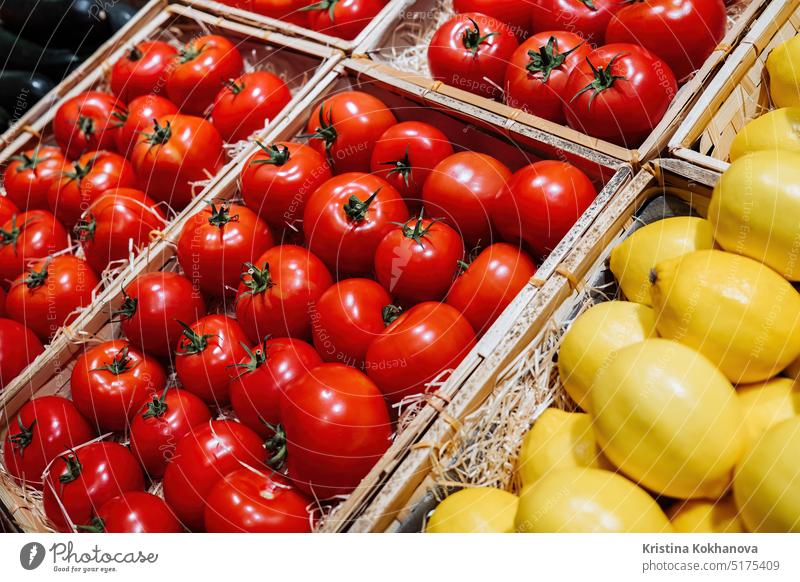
<point x="27" y="237"/>
<point x="203" y="64"/>
<point x="254" y="502"/>
<point x="417" y="261"/>
<point x="153" y="305"/>
<point x="45" y="297"/>
<point x="461" y="190"/>
<point x="80" y="482"/>
<point x="134" y="512"/>
<point x="490" y="283"/>
<point x="43" y="428"/>
<point x="91" y="175"/>
<point x="619" y="94"/>
<point x="515" y="14"/>
<point x="345" y="127"/>
<point x="246" y="104"/>
<point x="86" y="123"/>
<point x="181" y="150"/>
<point x="19" y="346"/>
<point x="680" y="32"/>
<point x="342" y="18"/>
<point x="286" y="10"/>
<point x="206" y="353"/>
<point x="7" y="209"/>
<point x="348" y="317"/>
<point x="28" y="177"/>
<point x="405" y="155"/>
<point x="111" y="380"/>
<point x="139" y="117"/>
<point x="346" y="218"/>
<point x="202" y="458"/>
<point x="416" y="347"/>
<point x="2" y="302"/>
<point x="470" y="48"/>
<point x="337" y="427"/>
<point x="158" y="425"/>
<point x="261" y="378"/>
<point x="586" y="18"/>
<point x="142" y="70"/>
<point x="536" y="77"/>
<point x="278" y="291"/>
<point x="278" y="179"/>
<point x="116" y="220"/>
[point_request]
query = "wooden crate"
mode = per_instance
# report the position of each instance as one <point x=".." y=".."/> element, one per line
<point x="420" y="21"/>
<point x="738" y="93"/>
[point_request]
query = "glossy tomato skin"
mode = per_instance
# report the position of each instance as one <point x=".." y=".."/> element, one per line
<point x="206" y="355"/>
<point x="347" y="318"/>
<point x="262" y="377"/>
<point x="588" y="20"/>
<point x="348" y="19"/>
<point x="7" y="209"/>
<point x="346" y="218"/>
<point x="514" y="13"/>
<point x="137" y="512"/>
<point x="680" y="32"/>
<point x="276" y="296"/>
<point x="628" y="110"/>
<point x="278" y="180"/>
<point x="337" y="426"/>
<point x="202" y="458"/>
<point x="26" y="237"/>
<point x="536" y="77"/>
<point x="461" y="190"/>
<point x="142" y="70"/>
<point x="87" y="123"/>
<point x="345" y="127"/>
<point x="256" y="502"/>
<point x="29" y="175"/>
<point x="245" y="104"/>
<point x="111" y="380"/>
<point x="462" y="55"/>
<point x="202" y="66"/>
<point x="490" y="283"/>
<point x="138" y="119"/>
<point x="158" y="425"/>
<point x="2" y="302"/>
<point x="154" y="304"/>
<point x="405" y="155"/>
<point x="19" y="346"/>
<point x="286" y="10"/>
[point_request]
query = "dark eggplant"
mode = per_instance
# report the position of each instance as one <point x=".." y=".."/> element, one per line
<point x="23" y="55"/>
<point x="5" y="119"/>
<point x="119" y="14"/>
<point x="19" y="90"/>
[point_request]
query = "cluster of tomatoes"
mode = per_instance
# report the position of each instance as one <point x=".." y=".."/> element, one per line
<point x="607" y="68"/>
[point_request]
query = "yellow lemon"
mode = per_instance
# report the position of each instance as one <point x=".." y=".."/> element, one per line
<point x="475" y="510"/>
<point x="783" y="65"/>
<point x="765" y="404"/>
<point x="778" y="129"/>
<point x="704" y="516"/>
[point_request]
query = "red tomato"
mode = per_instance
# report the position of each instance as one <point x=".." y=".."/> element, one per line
<point x="405" y="155"/>
<point x="142" y="70"/>
<point x="2" y="302"/>
<point x="515" y="14"/>
<point x="202" y="458"/>
<point x="153" y="305"/>
<point x="345" y="128"/>
<point x="417" y="261"/>
<point x="278" y="179"/>
<point x="43" y="428"/>
<point x="85" y="479"/>
<point x="470" y="48"/>
<point x="490" y="283"/>
<point x="461" y="190"/>
<point x="158" y="425"/>
<point x="7" y="209"/>
<point x="116" y="220"/>
<point x="420" y="344"/>
<point x="45" y="297"/>
<point x="286" y="10"/>
<point x="247" y="104"/>
<point x="278" y="292"/>
<point x="111" y="380"/>
<point x="27" y="237"/>
<point x="337" y="427"/>
<point x="536" y="77"/>
<point x="91" y="175"/>
<point x="139" y="117"/>
<point x="181" y="150"/>
<point x="203" y="64"/>
<point x="19" y="346"/>
<point x="28" y="177"/>
<point x="348" y="317"/>
<point x="619" y="94"/>
<point x="586" y="18"/>
<point x="87" y="122"/>
<point x="206" y="354"/>
<point x="346" y="218"/>
<point x="135" y="512"/>
<point x="680" y="32"/>
<point x="262" y="377"/>
<point x="343" y="18"/>
<point x="254" y="502"/>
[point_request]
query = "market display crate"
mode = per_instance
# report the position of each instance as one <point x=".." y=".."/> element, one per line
<point x="738" y="94"/>
<point x="402" y="49"/>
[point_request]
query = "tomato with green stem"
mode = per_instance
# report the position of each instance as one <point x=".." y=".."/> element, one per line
<point x="138" y="117"/>
<point x="342" y="18"/>
<point x="142" y="70"/>
<point x="515" y="14"/>
<point x="244" y="105"/>
<point x="27" y="237"/>
<point x="134" y="512"/>
<point x="87" y="123"/>
<point x="586" y="18"/>
<point x="29" y="175"/>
